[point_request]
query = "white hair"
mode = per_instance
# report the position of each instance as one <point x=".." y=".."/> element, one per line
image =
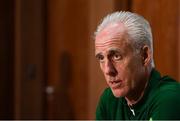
<point x="138" y="29"/>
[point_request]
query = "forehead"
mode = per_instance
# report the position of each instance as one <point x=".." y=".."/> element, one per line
<point x="110" y="31"/>
<point x="122" y="46"/>
<point x="113" y="36"/>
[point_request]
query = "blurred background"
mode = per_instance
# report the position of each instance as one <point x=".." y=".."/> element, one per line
<point x="47" y="64"/>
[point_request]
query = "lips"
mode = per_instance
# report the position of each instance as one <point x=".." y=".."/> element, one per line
<point x="115" y="84"/>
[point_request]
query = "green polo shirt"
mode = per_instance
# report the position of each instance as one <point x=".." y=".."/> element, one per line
<point x="161" y="101"/>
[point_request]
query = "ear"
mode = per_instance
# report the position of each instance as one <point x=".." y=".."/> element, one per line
<point x="146" y="55"/>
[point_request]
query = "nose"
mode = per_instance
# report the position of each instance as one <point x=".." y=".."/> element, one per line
<point x="109" y="68"/>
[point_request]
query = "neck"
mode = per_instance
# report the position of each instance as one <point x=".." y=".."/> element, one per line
<point x="134" y="99"/>
<point x="137" y="93"/>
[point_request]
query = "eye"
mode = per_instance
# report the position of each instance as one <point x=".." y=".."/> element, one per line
<point x="116" y="57"/>
<point x="100" y="58"/>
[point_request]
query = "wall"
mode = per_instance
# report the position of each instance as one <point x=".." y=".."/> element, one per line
<point x="164" y="19"/>
<point x="29" y="82"/>
<point x="6" y="59"/>
<point x="67" y="37"/>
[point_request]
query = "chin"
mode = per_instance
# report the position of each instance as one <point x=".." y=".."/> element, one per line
<point x="118" y="93"/>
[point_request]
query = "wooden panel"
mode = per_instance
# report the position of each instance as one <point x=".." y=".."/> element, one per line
<point x="6" y="59"/>
<point x="29" y="59"/>
<point x="164" y="18"/>
<point x="67" y="50"/>
<point x="122" y="5"/>
<point x="17" y="60"/>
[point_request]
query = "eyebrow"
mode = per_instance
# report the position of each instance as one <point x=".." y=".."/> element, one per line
<point x="113" y="51"/>
<point x="110" y="52"/>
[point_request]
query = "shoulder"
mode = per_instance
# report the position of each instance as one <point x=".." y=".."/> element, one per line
<point x="107" y="93"/>
<point x="166" y="100"/>
<point x="168" y="85"/>
<point x="165" y="88"/>
<point x="107" y="96"/>
<point x="107" y="105"/>
<point x="168" y="89"/>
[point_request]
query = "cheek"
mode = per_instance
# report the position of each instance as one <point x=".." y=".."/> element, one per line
<point x="121" y="68"/>
<point x="101" y="67"/>
<point x="134" y="64"/>
<point x="134" y="71"/>
<point x="126" y="70"/>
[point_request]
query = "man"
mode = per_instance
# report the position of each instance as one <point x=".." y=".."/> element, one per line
<point x="124" y="49"/>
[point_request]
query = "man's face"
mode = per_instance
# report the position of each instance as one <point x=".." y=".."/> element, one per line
<point x="122" y="67"/>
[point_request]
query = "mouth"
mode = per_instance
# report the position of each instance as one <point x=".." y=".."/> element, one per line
<point x="115" y="84"/>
